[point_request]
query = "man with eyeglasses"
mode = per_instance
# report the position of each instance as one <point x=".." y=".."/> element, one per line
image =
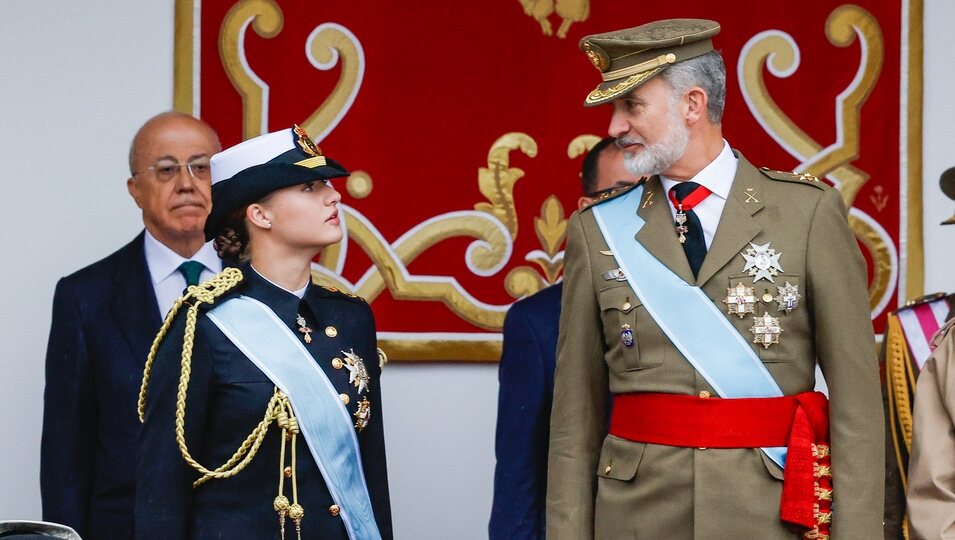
<point x="104" y="319"/>
<point x="526" y="376"/>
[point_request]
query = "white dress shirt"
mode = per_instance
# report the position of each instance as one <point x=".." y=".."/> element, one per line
<point x="716" y="177"/>
<point x="168" y="281"/>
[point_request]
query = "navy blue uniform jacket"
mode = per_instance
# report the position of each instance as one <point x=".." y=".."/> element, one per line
<point x="526" y="376"/>
<point x="227" y="397"/>
<point x="104" y="319"/>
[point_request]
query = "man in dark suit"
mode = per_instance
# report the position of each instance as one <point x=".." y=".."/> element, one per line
<point x="105" y="317"/>
<point x="526" y="376"/>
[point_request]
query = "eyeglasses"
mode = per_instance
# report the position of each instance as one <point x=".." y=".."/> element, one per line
<point x="167" y="170"/>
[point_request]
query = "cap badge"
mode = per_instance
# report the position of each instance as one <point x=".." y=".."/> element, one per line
<point x="597" y="57"/>
<point x="305" y="142"/>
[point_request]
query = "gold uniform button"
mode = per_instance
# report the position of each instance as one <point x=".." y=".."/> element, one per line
<point x="337" y="363"/>
<point x="607" y="469"/>
<point x="334" y="510"/>
<point x="331" y="331"/>
<point x="767" y="298"/>
<point x="704" y="394"/>
<point x="345" y="399"/>
<point x="627" y="306"/>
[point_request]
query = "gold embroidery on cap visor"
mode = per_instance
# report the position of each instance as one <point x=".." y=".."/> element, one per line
<point x="312" y="162"/>
<point x="602" y="95"/>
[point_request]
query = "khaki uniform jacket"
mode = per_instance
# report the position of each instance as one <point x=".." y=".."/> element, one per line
<point x="601" y="486"/>
<point x="931" y="486"/>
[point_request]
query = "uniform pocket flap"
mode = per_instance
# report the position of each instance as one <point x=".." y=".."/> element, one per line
<point x="620" y="299"/>
<point x="620" y="458"/>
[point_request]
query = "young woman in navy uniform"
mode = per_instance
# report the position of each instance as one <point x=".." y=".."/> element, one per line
<point x="261" y="402"/>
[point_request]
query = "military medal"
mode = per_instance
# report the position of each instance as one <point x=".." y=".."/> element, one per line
<point x="363" y="414"/>
<point x="765" y="330"/>
<point x="762" y="262"/>
<point x="626" y="336"/>
<point x="303" y="328"/>
<point x="357" y="374"/>
<point x="681" y="227"/>
<point x="740" y="300"/>
<point x="788" y="297"/>
<point x="614" y="275"/>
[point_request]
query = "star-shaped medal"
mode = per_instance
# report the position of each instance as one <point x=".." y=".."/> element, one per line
<point x="357" y="374"/>
<point x="762" y="262"/>
<point x="765" y="330"/>
<point x="740" y="300"/>
<point x="788" y="297"/>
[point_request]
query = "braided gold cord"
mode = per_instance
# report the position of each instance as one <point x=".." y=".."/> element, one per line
<point x="205" y="292"/>
<point x="897" y="374"/>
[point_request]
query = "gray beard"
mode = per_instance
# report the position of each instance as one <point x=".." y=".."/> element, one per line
<point x="660" y="156"/>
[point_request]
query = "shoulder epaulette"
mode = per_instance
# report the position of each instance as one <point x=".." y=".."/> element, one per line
<point x="796" y="178"/>
<point x="330" y="291"/>
<point x="928" y="298"/>
<point x="610" y="195"/>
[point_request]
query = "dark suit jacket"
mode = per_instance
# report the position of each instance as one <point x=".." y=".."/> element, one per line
<point x="526" y="376"/>
<point x="227" y="398"/>
<point x="104" y="319"/>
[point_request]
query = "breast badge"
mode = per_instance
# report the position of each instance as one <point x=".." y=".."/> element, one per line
<point x="762" y="262"/>
<point x="357" y="374"/>
<point x="626" y="336"/>
<point x="363" y="414"/>
<point x="614" y="275"/>
<point x="788" y="297"/>
<point x="740" y="300"/>
<point x="765" y="330"/>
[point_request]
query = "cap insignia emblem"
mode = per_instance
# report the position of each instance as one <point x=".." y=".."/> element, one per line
<point x="597" y="57"/>
<point x="305" y="142"/>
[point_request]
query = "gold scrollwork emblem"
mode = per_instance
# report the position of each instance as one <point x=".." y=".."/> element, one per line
<point x="570" y="11"/>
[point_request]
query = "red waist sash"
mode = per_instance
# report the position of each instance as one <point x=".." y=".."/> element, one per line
<point x="800" y="423"/>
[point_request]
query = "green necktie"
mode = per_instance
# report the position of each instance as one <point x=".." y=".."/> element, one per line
<point x="191" y="270"/>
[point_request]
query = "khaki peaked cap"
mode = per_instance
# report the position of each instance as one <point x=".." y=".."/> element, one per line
<point x="630" y="57"/>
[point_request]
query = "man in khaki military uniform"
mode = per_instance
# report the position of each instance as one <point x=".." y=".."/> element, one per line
<point x="931" y="486"/>
<point x="747" y="255"/>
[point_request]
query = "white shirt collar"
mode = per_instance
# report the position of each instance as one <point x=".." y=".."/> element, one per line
<point x="299" y="293"/>
<point x="716" y="177"/>
<point x="162" y="261"/>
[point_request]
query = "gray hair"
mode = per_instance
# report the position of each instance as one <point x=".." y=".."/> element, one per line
<point x="709" y="73"/>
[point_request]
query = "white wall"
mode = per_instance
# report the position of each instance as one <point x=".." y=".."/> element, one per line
<point x="938" y="144"/>
<point x="78" y="78"/>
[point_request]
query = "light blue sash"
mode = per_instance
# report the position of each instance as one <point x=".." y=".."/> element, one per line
<point x="323" y="419"/>
<point x="688" y="317"/>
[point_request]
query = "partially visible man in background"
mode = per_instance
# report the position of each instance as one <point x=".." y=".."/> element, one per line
<point x="526" y="376"/>
<point x="104" y="319"/>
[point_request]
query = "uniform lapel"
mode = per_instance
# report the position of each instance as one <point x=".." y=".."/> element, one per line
<point x="658" y="235"/>
<point x="737" y="226"/>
